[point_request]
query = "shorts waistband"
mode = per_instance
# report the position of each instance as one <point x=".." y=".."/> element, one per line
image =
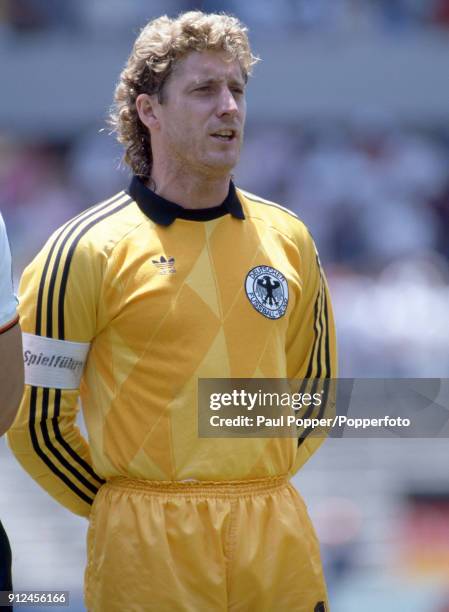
<point x="228" y="488"/>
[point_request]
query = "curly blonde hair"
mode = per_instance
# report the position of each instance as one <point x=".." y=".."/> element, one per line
<point x="157" y="49"/>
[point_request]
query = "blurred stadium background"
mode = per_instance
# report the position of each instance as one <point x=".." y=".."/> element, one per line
<point x="348" y="126"/>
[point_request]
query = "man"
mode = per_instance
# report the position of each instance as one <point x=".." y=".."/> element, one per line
<point x="11" y="376"/>
<point x="136" y="299"/>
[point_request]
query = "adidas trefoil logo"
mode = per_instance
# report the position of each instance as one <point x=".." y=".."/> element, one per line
<point x="164" y="265"/>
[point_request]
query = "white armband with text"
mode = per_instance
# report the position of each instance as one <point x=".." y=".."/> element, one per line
<point x="56" y="364"/>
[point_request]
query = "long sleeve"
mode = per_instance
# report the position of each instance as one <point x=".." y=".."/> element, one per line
<point x="58" y="305"/>
<point x="311" y="347"/>
<point x="8" y="301"/>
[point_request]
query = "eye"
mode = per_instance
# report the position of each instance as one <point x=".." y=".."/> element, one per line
<point x="204" y="88"/>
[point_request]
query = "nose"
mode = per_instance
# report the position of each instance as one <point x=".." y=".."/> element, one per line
<point x="227" y="104"/>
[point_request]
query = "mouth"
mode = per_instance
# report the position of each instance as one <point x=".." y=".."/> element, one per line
<point x="225" y="135"/>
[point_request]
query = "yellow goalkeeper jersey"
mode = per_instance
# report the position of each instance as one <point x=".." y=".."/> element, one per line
<point x="160" y="296"/>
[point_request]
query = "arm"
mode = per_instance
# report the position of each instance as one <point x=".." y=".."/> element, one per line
<point x="11" y="362"/>
<point x="11" y="373"/>
<point x="311" y="347"/>
<point x="58" y="304"/>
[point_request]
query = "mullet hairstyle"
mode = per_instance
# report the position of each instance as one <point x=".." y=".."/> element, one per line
<point x="157" y="49"/>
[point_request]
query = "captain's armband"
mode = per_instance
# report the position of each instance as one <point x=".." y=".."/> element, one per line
<point x="57" y="364"/>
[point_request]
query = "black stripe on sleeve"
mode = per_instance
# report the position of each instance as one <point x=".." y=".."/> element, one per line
<point x="319" y="343"/>
<point x="40" y="294"/>
<point x="65" y="444"/>
<point x="314" y="369"/>
<point x="315" y="327"/>
<point x="86" y="214"/>
<point x="57" y="401"/>
<point x="316" y="364"/>
<point x="75" y="223"/>
<point x="68" y="261"/>
<point x="310" y="368"/>
<point x="49" y="444"/>
<point x="327" y="340"/>
<point x="43" y="456"/>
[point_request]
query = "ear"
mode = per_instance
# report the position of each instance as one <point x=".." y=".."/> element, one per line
<point x="147" y="108"/>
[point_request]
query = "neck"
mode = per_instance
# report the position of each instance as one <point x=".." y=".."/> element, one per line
<point x="189" y="190"/>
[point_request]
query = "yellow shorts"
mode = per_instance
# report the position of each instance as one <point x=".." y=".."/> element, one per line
<point x="244" y="546"/>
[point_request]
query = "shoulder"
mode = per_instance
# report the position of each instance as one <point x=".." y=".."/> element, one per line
<point x="278" y="217"/>
<point x="100" y="227"/>
<point x="84" y="244"/>
<point x="95" y="231"/>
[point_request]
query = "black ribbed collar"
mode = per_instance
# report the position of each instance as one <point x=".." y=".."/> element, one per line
<point x="164" y="212"/>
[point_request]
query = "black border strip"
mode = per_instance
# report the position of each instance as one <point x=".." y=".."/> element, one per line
<point x="9" y="325"/>
<point x="44" y="457"/>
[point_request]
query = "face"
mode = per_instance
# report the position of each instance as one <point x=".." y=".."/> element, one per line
<point x="200" y="121"/>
